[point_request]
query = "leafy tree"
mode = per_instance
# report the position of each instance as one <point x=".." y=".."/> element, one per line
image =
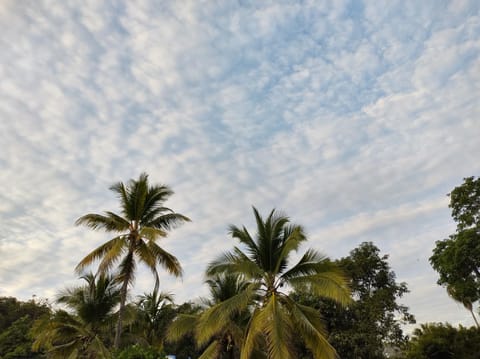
<point x="277" y="319"/>
<point x="372" y="321"/>
<point x="16" y="321"/>
<point x="142" y="221"/>
<point x="85" y="330"/>
<point x="457" y="258"/>
<point x="465" y="204"/>
<point x="226" y="340"/>
<point x="442" y="341"/>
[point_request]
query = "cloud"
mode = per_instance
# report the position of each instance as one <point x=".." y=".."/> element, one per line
<point x="356" y="119"/>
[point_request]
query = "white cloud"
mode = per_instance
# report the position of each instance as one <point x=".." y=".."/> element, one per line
<point x="354" y="120"/>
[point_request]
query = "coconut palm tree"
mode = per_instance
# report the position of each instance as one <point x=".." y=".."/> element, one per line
<point x="84" y="330"/>
<point x="277" y="319"/>
<point x="155" y="311"/>
<point x="219" y="341"/>
<point x="142" y="221"/>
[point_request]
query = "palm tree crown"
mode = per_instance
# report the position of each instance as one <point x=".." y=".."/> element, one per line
<point x="142" y="221"/>
<point x="277" y="318"/>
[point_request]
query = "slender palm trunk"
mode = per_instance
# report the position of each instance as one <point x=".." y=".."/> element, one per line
<point x="474" y="318"/>
<point x="123" y="298"/>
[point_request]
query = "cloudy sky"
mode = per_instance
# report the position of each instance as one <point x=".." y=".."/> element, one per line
<point x="355" y="118"/>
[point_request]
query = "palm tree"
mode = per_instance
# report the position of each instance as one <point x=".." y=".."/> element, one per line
<point x="143" y="220"/>
<point x="155" y="312"/>
<point x="459" y="294"/>
<point x="277" y="319"/>
<point x="219" y="341"/>
<point x="83" y="331"/>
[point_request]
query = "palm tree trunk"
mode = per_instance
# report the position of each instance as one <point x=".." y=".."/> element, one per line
<point x="474" y="318"/>
<point x="123" y="298"/>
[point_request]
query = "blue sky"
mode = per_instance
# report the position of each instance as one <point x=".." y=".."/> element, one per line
<point x="355" y="118"/>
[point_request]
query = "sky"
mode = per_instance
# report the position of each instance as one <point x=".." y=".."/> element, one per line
<point x="355" y="118"/>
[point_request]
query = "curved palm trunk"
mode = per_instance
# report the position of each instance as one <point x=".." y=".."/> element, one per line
<point x="123" y="298"/>
<point x="474" y="318"/>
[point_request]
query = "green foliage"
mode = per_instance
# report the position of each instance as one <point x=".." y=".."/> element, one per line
<point x="264" y="264"/>
<point x="457" y="258"/>
<point x="142" y="221"/>
<point x="465" y="204"/>
<point x="442" y="341"/>
<point x="16" y="320"/>
<point x="140" y="352"/>
<point x="372" y="322"/>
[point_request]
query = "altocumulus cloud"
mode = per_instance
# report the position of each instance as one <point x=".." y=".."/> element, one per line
<point x="354" y="117"/>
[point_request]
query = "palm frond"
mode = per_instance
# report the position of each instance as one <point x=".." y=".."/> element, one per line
<point x="235" y="262"/>
<point x="308" y="323"/>
<point x="332" y="285"/>
<point x="182" y="325"/>
<point x="212" y="351"/>
<point x="278" y="329"/>
<point x="152" y="234"/>
<point x="109" y="222"/>
<point x="214" y="319"/>
<point x="112" y="245"/>
<point x="254" y="332"/>
<point x="168" y="261"/>
<point x="168" y="221"/>
<point x="311" y="262"/>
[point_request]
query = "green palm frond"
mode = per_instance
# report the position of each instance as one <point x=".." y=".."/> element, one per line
<point x="109" y="222"/>
<point x="126" y="272"/>
<point x="181" y="326"/>
<point x="168" y="261"/>
<point x="332" y="285"/>
<point x="152" y="234"/>
<point x="254" y="332"/>
<point x="311" y="262"/>
<point x="308" y="323"/>
<point x="111" y="249"/>
<point x="214" y="319"/>
<point x="294" y="237"/>
<point x="278" y="329"/>
<point x="244" y="237"/>
<point x="168" y="221"/>
<point x="212" y="351"/>
<point x="235" y="262"/>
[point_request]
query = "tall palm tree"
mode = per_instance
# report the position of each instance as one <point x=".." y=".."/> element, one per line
<point x="83" y="330"/>
<point x="225" y="338"/>
<point x="277" y="319"/>
<point x="142" y="221"/>
<point x="458" y="294"/>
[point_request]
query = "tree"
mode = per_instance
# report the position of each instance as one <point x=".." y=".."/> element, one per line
<point x="277" y="319"/>
<point x="457" y="258"/>
<point x="16" y="321"/>
<point x="225" y="341"/>
<point x="143" y="220"/>
<point x="465" y="204"/>
<point x="155" y="313"/>
<point x="371" y="323"/>
<point x="84" y="330"/>
<point x="442" y="341"/>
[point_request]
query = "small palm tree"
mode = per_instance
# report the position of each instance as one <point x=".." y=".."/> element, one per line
<point x="155" y="312"/>
<point x="83" y="331"/>
<point x="143" y="220"/>
<point x="277" y="319"/>
<point x="223" y="340"/>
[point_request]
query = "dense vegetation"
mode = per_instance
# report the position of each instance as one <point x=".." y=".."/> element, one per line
<point x="261" y="305"/>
